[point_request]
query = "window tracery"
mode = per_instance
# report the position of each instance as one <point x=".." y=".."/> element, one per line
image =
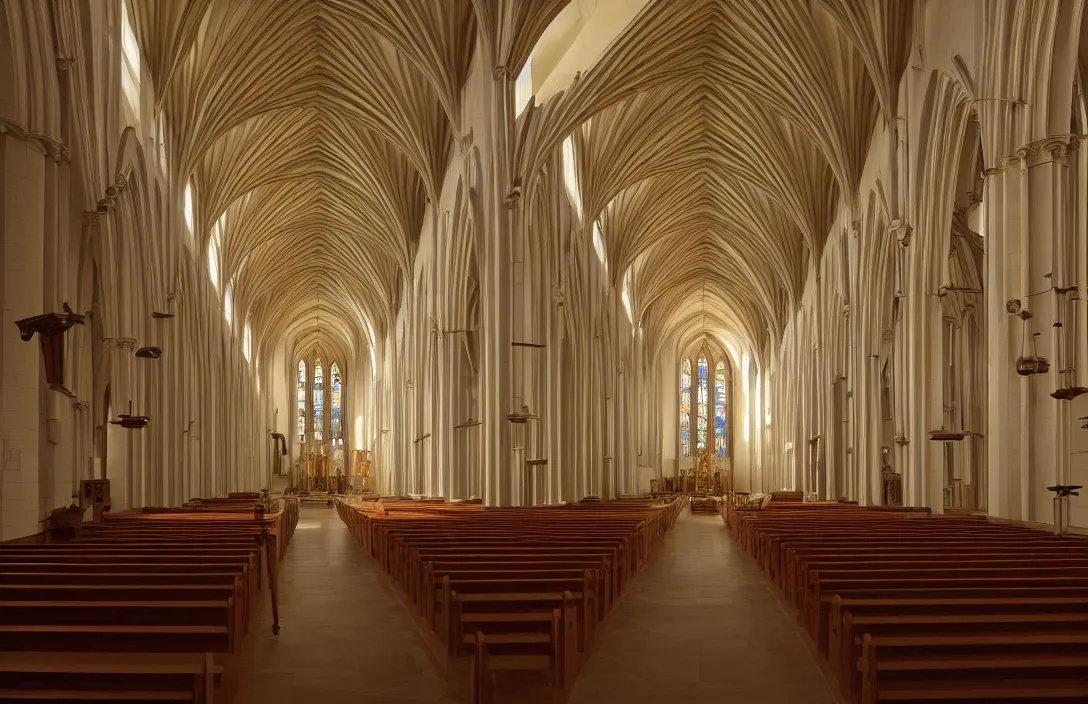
<point x="301" y="395"/>
<point x="685" y="408"/>
<point x="720" y="410"/>
<point x="705" y="402"/>
<point x="319" y="401"/>
<point x="701" y="409"/>
<point x="335" y="434"/>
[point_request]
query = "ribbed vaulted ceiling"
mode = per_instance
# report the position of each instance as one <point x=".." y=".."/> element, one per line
<point x="716" y="137"/>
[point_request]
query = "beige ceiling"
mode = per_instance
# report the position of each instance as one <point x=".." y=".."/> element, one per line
<point x="720" y="133"/>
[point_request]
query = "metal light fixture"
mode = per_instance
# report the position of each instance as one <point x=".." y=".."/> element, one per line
<point x="1027" y="365"/>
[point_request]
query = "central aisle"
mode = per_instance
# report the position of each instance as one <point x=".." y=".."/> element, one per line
<point x="699" y="625"/>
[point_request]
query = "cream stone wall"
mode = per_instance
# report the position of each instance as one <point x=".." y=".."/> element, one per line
<point x="801" y="186"/>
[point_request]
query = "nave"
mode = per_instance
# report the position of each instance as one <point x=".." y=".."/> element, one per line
<point x="700" y="625"/>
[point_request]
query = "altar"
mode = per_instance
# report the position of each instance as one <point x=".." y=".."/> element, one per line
<point x="704" y="478"/>
<point x="322" y="477"/>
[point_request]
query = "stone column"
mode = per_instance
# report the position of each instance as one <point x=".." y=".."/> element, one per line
<point x="496" y="297"/>
<point x="22" y="217"/>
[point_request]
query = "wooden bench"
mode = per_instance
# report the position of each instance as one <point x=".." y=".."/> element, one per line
<point x="160" y="588"/>
<point x="180" y="677"/>
<point x="912" y="608"/>
<point x="991" y="668"/>
<point x="940" y="617"/>
<point x="519" y="589"/>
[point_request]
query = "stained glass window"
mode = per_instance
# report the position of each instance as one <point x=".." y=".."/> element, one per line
<point x="334" y="425"/>
<point x="720" y="410"/>
<point x="301" y="401"/>
<point x="703" y="391"/>
<point x="685" y="408"/>
<point x="319" y="401"/>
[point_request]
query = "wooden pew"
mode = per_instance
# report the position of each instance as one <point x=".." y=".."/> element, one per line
<point x="917" y="608"/>
<point x="496" y="582"/>
<point x="991" y="668"/>
<point x="139" y="584"/>
<point x="180" y="677"/>
<point x="525" y="652"/>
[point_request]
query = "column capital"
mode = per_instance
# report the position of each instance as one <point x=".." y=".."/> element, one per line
<point x="81" y="406"/>
<point x="49" y="147"/>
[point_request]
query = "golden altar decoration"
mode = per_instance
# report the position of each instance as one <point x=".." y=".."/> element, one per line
<point x="705" y="478"/>
<point x="318" y="473"/>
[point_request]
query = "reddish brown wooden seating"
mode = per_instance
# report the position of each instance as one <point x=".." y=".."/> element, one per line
<point x="89" y="677"/>
<point x="909" y="607"/>
<point x="136" y="587"/>
<point x="522" y="590"/>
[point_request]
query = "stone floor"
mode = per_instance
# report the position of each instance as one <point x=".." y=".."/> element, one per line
<point x="699" y="626"/>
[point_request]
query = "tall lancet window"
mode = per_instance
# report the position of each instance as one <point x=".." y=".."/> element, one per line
<point x="334" y="424"/>
<point x="319" y="401"/>
<point x="130" y="63"/>
<point x="685" y="408"/>
<point x="301" y="401"/>
<point x="720" y="410"/>
<point x="703" y="391"/>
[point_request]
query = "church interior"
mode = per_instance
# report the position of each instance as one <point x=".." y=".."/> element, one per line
<point x="544" y="351"/>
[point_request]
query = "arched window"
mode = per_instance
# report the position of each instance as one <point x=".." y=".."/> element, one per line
<point x="685" y="408"/>
<point x="721" y="408"/>
<point x="523" y="88"/>
<point x="570" y="175"/>
<point x="301" y="401"/>
<point x="319" y="401"/>
<point x="130" y="63"/>
<point x="334" y="422"/>
<point x="187" y="207"/>
<point x="214" y="243"/>
<point x="703" y="391"/>
<point x="598" y="243"/>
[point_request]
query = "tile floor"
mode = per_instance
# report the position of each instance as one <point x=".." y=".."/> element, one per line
<point x="698" y="626"/>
